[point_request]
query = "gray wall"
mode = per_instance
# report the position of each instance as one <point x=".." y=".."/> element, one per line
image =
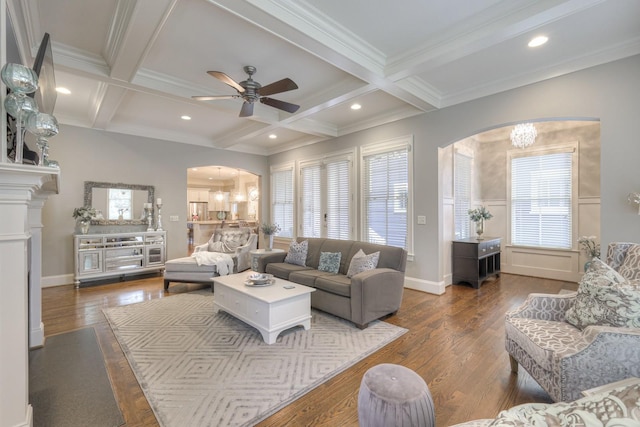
<point x="90" y="155"/>
<point x="610" y="93"/>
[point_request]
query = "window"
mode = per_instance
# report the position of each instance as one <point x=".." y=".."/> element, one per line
<point x="386" y="198"/>
<point x="462" y="194"/>
<point x="119" y="204"/>
<point x="282" y="199"/>
<point x="325" y="197"/>
<point x="541" y="199"/>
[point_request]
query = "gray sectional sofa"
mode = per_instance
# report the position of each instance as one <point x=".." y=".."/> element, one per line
<point x="364" y="297"/>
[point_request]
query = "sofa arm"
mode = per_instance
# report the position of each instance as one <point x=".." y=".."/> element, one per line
<point x="269" y="258"/>
<point x="544" y="307"/>
<point x="243" y="254"/>
<point x="375" y="293"/>
<point x="611" y="354"/>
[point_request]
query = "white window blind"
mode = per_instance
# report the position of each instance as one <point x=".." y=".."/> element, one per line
<point x="325" y="198"/>
<point x="311" y="200"/>
<point x="541" y="200"/>
<point x="462" y="194"/>
<point x="282" y="200"/>
<point x="386" y="197"/>
<point x="339" y="199"/>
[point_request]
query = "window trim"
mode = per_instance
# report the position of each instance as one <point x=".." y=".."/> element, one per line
<point x="402" y="142"/>
<point x="569" y="147"/>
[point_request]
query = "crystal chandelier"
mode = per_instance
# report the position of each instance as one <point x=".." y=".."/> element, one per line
<point x="523" y="135"/>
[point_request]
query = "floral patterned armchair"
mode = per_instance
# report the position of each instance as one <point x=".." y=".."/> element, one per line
<point x="572" y="342"/>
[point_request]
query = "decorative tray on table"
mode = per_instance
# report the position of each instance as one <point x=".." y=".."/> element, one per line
<point x="260" y="279"/>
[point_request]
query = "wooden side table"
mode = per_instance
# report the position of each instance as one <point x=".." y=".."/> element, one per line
<point x="475" y="260"/>
<point x="257" y="253"/>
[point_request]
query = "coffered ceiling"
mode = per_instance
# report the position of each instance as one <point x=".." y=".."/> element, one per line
<point x="132" y="66"/>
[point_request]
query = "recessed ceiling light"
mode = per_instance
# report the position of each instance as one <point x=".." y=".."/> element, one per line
<point x="538" y="41"/>
<point x="356" y="106"/>
<point x="185" y="117"/>
<point x="63" y="90"/>
<point x="273" y="136"/>
<point x="210" y="177"/>
<point x="194" y="169"/>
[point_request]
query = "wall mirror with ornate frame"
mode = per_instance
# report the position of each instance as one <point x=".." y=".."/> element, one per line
<point x="118" y="203"/>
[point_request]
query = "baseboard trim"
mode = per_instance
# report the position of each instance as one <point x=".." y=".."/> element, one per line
<point x="36" y="336"/>
<point x="50" y="281"/>
<point x="428" y="286"/>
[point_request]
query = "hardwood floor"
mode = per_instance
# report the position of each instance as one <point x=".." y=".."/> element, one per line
<point x="455" y="342"/>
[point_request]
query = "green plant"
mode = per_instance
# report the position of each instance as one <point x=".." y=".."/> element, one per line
<point x="269" y="229"/>
<point x="479" y="214"/>
<point x="84" y="213"/>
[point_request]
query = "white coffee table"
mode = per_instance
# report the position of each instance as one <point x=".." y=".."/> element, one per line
<point x="270" y="309"/>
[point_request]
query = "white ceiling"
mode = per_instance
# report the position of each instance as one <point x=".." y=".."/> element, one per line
<point x="133" y="65"/>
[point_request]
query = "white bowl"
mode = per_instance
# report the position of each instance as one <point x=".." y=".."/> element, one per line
<point x="260" y="278"/>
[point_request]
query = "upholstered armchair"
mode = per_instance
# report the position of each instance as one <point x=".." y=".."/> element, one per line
<point x="576" y="341"/>
<point x="234" y="242"/>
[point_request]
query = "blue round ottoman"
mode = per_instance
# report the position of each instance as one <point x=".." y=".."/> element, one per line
<point x="392" y="395"/>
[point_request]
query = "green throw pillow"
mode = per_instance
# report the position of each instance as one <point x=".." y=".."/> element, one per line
<point x="330" y="262"/>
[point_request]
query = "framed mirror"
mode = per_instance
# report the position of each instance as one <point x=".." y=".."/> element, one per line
<point x="118" y="203"/>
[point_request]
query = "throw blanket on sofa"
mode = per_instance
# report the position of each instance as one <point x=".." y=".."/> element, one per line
<point x="223" y="262"/>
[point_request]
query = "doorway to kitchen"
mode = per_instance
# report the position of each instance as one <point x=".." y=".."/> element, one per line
<point x="220" y="196"/>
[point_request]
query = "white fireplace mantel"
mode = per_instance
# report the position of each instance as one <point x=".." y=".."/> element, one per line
<point x="23" y="190"/>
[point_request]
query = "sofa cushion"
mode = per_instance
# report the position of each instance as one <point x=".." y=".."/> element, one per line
<point x="306" y="277"/>
<point x="362" y="262"/>
<point x="187" y="264"/>
<point x="297" y="254"/>
<point x="338" y="284"/>
<point x="605" y="298"/>
<point x="630" y="268"/>
<point x="283" y="269"/>
<point x="228" y="239"/>
<point x="330" y="262"/>
<point x="542" y="339"/>
<point x="391" y="257"/>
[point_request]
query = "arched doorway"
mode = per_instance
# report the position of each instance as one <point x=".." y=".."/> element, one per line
<point x="220" y="196"/>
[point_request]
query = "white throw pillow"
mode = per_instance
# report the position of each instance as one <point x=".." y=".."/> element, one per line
<point x="362" y="262"/>
<point x="297" y="254"/>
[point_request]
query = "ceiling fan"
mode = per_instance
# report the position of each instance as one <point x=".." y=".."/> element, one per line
<point x="251" y="91"/>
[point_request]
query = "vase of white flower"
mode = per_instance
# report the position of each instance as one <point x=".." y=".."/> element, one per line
<point x="269" y="230"/>
<point x="478" y="216"/>
<point x="83" y="216"/>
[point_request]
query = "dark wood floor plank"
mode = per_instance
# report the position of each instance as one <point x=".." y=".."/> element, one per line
<point x="455" y="342"/>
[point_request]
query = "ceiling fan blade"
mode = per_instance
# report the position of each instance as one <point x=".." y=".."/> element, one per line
<point x="247" y="109"/>
<point x="286" y="106"/>
<point x="278" y="87"/>
<point x="226" y="79"/>
<point x="214" y="97"/>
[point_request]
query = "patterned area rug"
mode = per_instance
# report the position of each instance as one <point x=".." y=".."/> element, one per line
<point x="201" y="367"/>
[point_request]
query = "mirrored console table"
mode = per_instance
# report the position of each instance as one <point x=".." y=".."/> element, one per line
<point x="101" y="256"/>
